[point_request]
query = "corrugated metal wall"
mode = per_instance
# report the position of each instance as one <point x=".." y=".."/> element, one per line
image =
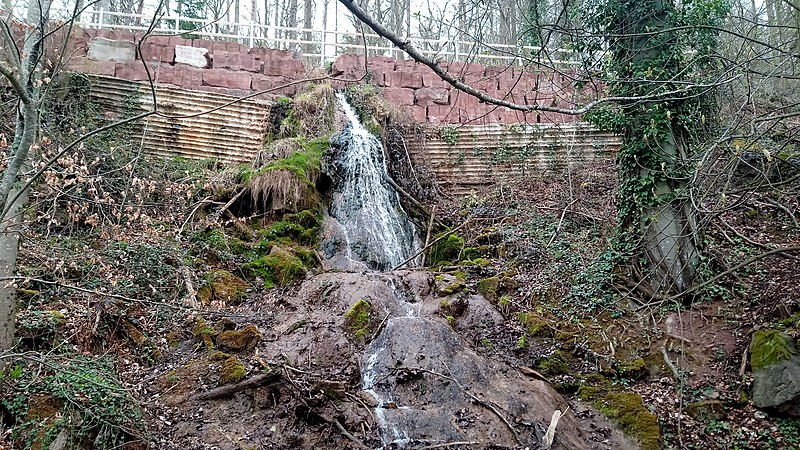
<point x="231" y="134"/>
<point x="472" y="156"/>
<point x="480" y="155"/>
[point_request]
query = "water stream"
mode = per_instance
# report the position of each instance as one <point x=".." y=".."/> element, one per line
<point x="375" y="229"/>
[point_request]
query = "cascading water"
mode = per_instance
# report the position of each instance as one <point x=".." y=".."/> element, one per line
<point x="376" y="231"/>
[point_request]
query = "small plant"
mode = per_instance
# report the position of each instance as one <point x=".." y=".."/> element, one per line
<point x="449" y="134"/>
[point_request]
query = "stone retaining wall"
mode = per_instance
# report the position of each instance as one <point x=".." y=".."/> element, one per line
<point x="233" y="69"/>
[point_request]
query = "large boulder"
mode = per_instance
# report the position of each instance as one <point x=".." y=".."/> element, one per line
<point x="776" y="369"/>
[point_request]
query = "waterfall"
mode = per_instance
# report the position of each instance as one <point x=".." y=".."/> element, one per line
<point x="376" y="230"/>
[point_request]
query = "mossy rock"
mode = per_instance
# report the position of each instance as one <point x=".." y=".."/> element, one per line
<point x="232" y="371"/>
<point x="493" y="287"/>
<point x="706" y="410"/>
<point x="218" y="356"/>
<point x="769" y="347"/>
<point x="357" y="318"/>
<point x="636" y="421"/>
<point x="534" y="324"/>
<point x="454" y="308"/>
<point x="555" y="364"/>
<point x="222" y="286"/>
<point x="447" y="249"/>
<point x="477" y="262"/>
<point x="488" y="287"/>
<point x="204" y="333"/>
<point x="635" y="368"/>
<point x="245" y="339"/>
<point x="588" y="393"/>
<point x="281" y="266"/>
<point x="141" y="343"/>
<point x="450" y="284"/>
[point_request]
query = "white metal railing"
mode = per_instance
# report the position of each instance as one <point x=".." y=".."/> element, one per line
<point x="321" y="46"/>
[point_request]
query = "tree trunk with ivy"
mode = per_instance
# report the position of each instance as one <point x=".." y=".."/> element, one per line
<point x="658" y="224"/>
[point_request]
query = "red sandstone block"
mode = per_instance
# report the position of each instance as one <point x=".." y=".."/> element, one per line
<point x="407" y="65"/>
<point x="418" y="113"/>
<point x="403" y="79"/>
<point x="463" y="100"/>
<point x="85" y="65"/>
<point x="236" y="61"/>
<point x="429" y="96"/>
<point x="399" y="96"/>
<point x="482" y="83"/>
<point x="203" y="43"/>
<point x="154" y="52"/>
<point x="105" y="33"/>
<point x="438" y="114"/>
<point x="179" y="40"/>
<point x="235" y="47"/>
<point x="350" y="66"/>
<point x="432" y="80"/>
<point x="226" y="79"/>
<point x="188" y="77"/>
<point x="162" y="41"/>
<point x="162" y="73"/>
<point x="460" y="69"/>
<point x="498" y="71"/>
<point x="284" y="67"/>
<point x="132" y="71"/>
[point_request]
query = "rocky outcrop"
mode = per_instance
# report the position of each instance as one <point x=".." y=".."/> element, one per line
<point x="776" y="369"/>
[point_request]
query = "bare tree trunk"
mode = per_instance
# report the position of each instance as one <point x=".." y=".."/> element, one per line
<point x="308" y="23"/>
<point x="24" y="137"/>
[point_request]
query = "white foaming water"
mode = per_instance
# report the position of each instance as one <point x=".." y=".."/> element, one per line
<point x="377" y="230"/>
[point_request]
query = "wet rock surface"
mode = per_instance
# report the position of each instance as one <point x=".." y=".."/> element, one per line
<point x="410" y="380"/>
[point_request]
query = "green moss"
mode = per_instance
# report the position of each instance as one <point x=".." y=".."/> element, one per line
<point x="488" y="287"/>
<point x="232" y="371"/>
<point x="280" y="267"/>
<point x="769" y="347"/>
<point x="634" y="369"/>
<point x="203" y="333"/>
<point x="357" y="318"/>
<point x="223" y="286"/>
<point x="305" y="164"/>
<point x="218" y="356"/>
<point x="451" y="320"/>
<point x="535" y="325"/>
<point x="452" y="288"/>
<point x="636" y="421"/>
<point x="460" y="275"/>
<point x="588" y="393"/>
<point x="477" y="262"/>
<point x="245" y="339"/>
<point x="471" y="253"/>
<point x="555" y="364"/>
<point x="447" y="249"/>
<point x="522" y="342"/>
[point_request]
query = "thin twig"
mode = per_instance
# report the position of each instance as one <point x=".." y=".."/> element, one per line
<point x="346" y="434"/>
<point x="560" y="222"/>
<point x="450" y="444"/>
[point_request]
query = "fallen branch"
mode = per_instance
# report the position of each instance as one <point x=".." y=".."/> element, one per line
<point x="428" y="234"/>
<point x="670" y="365"/>
<point x="550" y="434"/>
<point x="230" y="389"/>
<point x="411" y="258"/>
